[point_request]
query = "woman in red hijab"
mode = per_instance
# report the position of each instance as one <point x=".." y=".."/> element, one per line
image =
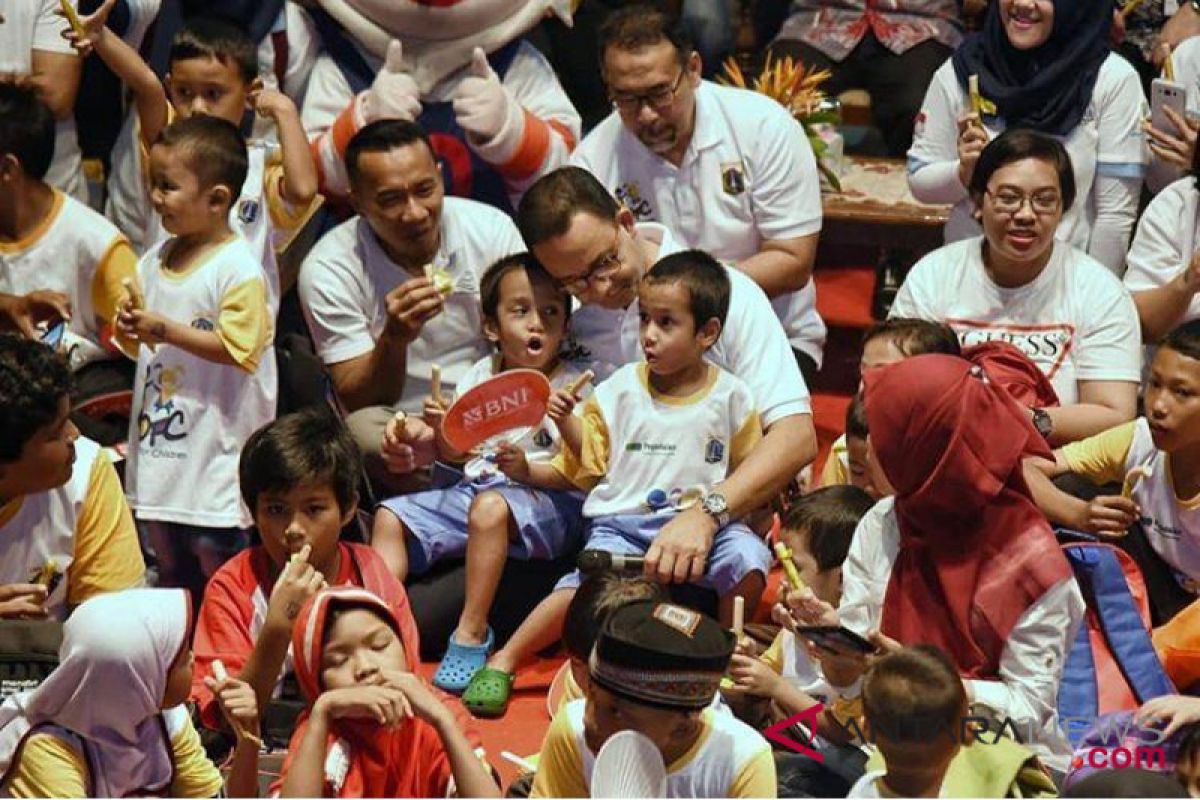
<point x="960" y="557"/>
<point x="373" y="728"/>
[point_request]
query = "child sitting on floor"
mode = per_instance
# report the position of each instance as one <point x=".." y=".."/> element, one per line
<point x="658" y="437"/>
<point x="299" y="477"/>
<point x="373" y="728"/>
<point x="110" y="721"/>
<point x="485" y="516"/>
<point x="655" y="669"/>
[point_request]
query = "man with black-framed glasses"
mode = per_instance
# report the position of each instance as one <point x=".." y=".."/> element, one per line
<point x="726" y="170"/>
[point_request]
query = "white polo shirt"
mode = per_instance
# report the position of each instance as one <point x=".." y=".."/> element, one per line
<point x="752" y="345"/>
<point x="25" y="26"/>
<point x="1165" y="241"/>
<point x="1074" y="320"/>
<point x="346" y="278"/>
<point x="748" y="176"/>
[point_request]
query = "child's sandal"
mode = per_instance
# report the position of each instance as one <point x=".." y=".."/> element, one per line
<point x="488" y="693"/>
<point x="461" y="662"/>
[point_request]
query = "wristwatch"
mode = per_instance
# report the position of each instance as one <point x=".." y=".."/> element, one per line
<point x="1042" y="422"/>
<point x="717" y="507"/>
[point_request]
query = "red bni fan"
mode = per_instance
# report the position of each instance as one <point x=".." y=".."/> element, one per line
<point x="500" y="410"/>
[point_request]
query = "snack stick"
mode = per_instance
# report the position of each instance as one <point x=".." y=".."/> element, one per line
<point x="580" y="382"/>
<point x="73" y="18"/>
<point x="46" y="574"/>
<point x="784" y="554"/>
<point x="222" y="675"/>
<point x="973" y="93"/>
<point x="435" y="384"/>
<point x="1133" y="477"/>
<point x="739" y="617"/>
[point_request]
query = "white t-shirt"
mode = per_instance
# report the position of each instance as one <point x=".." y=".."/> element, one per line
<point x="748" y="176"/>
<point x="346" y="278"/>
<point x="1074" y="320"/>
<point x="191" y="416"/>
<point x="868" y="786"/>
<point x="1107" y="143"/>
<point x="29" y="25"/>
<point x="1031" y="664"/>
<point x="752" y="344"/>
<point x="1166" y="240"/>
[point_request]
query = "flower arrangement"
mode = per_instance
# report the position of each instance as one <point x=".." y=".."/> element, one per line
<point x="798" y="89"/>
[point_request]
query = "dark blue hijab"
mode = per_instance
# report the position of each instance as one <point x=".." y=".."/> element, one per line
<point x="1047" y="88"/>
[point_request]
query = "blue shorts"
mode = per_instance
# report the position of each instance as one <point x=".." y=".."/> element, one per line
<point x="736" y="551"/>
<point x="548" y="523"/>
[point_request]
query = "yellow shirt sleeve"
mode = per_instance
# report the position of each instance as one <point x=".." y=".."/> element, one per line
<point x="592" y="463"/>
<point x="560" y="764"/>
<point x="757" y="778"/>
<point x="47" y="767"/>
<point x="1101" y="458"/>
<point x="118" y="263"/>
<point x="244" y="322"/>
<point x="835" y="473"/>
<point x="773" y="655"/>
<point x="195" y="775"/>
<point x="286" y="218"/>
<point x="747" y="436"/>
<point x="107" y="555"/>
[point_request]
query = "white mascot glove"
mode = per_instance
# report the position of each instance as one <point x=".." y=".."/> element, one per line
<point x="492" y="118"/>
<point x="394" y="94"/>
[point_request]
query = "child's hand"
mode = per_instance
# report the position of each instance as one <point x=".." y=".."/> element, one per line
<point x="422" y="702"/>
<point x="511" y="460"/>
<point x="141" y="325"/>
<point x="562" y="405"/>
<point x="433" y="413"/>
<point x="22" y="600"/>
<point x="808" y="609"/>
<point x="753" y="675"/>
<point x="1107" y="515"/>
<point x="272" y="104"/>
<point x="1173" y="710"/>
<point x="782" y="616"/>
<point x="407" y="444"/>
<point x="746" y="646"/>
<point x="239" y="704"/>
<point x="297" y="582"/>
<point x="93" y="27"/>
<point x="383" y="704"/>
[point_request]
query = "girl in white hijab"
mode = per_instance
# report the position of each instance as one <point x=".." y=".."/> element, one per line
<point x="110" y="720"/>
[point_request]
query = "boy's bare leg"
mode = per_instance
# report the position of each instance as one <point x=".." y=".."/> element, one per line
<point x="489" y="530"/>
<point x="542" y="628"/>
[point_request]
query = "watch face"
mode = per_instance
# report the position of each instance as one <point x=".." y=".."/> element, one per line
<point x="716" y="504"/>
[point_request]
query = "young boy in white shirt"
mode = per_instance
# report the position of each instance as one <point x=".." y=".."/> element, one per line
<point x="206" y="372"/>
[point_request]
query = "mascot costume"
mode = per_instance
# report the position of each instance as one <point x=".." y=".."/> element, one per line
<point x="496" y="114"/>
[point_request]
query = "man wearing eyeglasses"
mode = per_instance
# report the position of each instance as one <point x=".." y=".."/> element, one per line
<point x="594" y="248"/>
<point x="726" y="170"/>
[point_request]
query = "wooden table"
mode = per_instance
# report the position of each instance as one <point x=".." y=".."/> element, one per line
<point x="875" y="209"/>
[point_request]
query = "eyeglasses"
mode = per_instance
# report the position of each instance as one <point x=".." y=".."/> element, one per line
<point x="603" y="267"/>
<point x="658" y="100"/>
<point x="1009" y="202"/>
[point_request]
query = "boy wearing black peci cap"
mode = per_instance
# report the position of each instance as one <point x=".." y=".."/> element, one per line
<point x="655" y="669"/>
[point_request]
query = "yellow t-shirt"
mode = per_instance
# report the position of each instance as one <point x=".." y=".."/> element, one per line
<point x="50" y="767"/>
<point x="728" y="759"/>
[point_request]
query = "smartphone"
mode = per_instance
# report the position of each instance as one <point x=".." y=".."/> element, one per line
<point x="1166" y="94"/>
<point x="831" y="637"/>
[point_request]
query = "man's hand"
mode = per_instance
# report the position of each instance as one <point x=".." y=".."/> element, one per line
<point x="23" y="313"/>
<point x="1178" y="146"/>
<point x="394" y="94"/>
<point x="297" y="582"/>
<point x="972" y="138"/>
<point x="22" y="600"/>
<point x="482" y="106"/>
<point x="678" y="552"/>
<point x="408" y="443"/>
<point x="409" y="306"/>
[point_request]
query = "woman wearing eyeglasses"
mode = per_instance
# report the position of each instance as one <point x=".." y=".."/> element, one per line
<point x="1045" y="65"/>
<point x="1018" y="283"/>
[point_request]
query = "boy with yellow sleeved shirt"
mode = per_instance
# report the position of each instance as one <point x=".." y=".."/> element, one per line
<point x="62" y="511"/>
<point x="1156" y="459"/>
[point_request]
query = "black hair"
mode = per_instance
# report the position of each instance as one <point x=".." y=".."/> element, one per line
<point x="633" y="27"/>
<point x="382" y="136"/>
<point x="597" y="597"/>
<point x="856" y="418"/>
<point x="547" y="208"/>
<point x="309" y="446"/>
<point x="211" y="37"/>
<point x="33" y="381"/>
<point x="914" y="696"/>
<point x="916" y="337"/>
<point x="829" y="516"/>
<point x="26" y="129"/>
<point x="215" y="150"/>
<point x="489" y="283"/>
<point x="1184" y="339"/>
<point x="705" y="279"/>
<point x="1019" y="144"/>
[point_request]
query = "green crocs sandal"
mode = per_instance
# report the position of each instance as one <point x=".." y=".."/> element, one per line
<point x="488" y="692"/>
